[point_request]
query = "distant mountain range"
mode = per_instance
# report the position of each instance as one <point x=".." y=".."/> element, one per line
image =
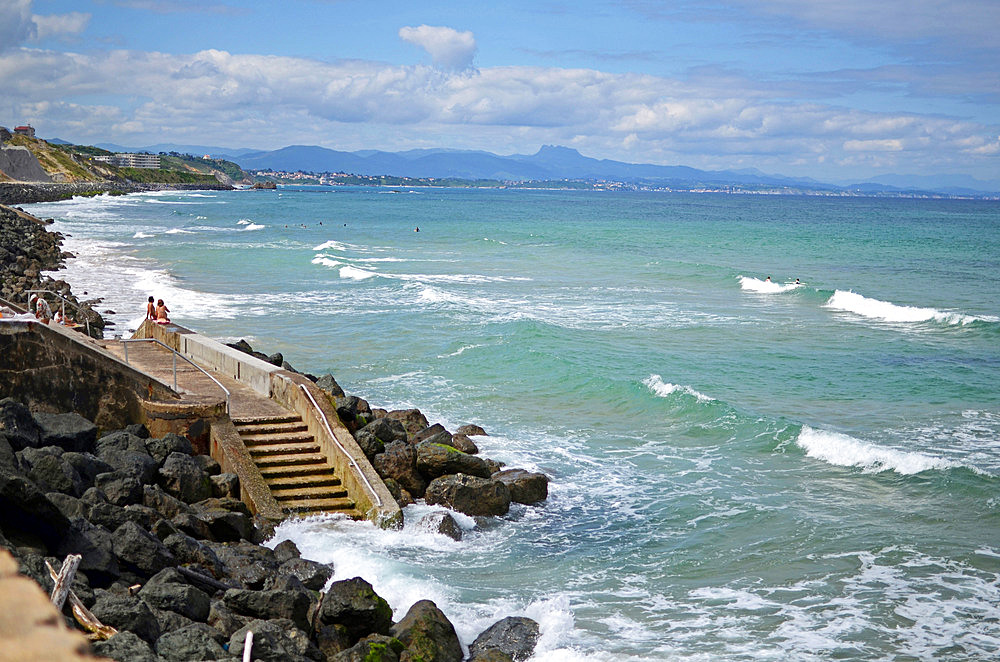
<point x="549" y="163"/>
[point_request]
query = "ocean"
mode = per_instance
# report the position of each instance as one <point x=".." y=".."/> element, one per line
<point x="742" y="467"/>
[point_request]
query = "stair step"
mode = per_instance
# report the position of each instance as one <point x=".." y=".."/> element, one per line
<point x="297" y="493"/>
<point x="314" y="505"/>
<point x="269" y="428"/>
<point x="284" y="449"/>
<point x="295" y="470"/>
<point x="289" y="459"/>
<point x="327" y="479"/>
<point x="275" y="438"/>
<point x="264" y="420"/>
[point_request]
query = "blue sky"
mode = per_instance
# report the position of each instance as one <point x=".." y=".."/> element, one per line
<point x="835" y="91"/>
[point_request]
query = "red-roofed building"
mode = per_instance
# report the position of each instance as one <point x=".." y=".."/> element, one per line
<point x="26" y="130"/>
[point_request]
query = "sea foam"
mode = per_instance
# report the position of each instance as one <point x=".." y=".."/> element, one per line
<point x="846" y="451"/>
<point x="664" y="389"/>
<point x="883" y="310"/>
<point x="765" y="286"/>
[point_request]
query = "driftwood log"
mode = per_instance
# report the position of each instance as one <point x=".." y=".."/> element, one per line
<point x="89" y="622"/>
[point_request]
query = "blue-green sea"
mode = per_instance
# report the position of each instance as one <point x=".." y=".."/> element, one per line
<point x="741" y="468"/>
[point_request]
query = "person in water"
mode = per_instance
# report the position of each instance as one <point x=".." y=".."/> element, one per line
<point x="767" y="280"/>
<point x="161" y="312"/>
<point x="150" y="309"/>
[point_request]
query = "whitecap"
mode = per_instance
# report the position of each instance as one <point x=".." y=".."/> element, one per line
<point x="883" y="310"/>
<point x="253" y="226"/>
<point x="141" y="235"/>
<point x="354" y="273"/>
<point x="766" y="286"/>
<point x="326" y="261"/>
<point x="328" y="245"/>
<point x="664" y="389"/>
<point x="846" y="451"/>
<point x="179" y="231"/>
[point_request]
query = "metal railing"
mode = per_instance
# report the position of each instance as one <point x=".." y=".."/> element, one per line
<point x="125" y="343"/>
<point x="329" y="431"/>
<point x="64" y="302"/>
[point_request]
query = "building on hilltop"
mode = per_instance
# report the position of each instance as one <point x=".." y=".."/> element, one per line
<point x="129" y="160"/>
<point x="25" y="130"/>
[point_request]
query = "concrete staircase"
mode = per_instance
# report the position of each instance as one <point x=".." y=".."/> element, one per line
<point x="297" y="472"/>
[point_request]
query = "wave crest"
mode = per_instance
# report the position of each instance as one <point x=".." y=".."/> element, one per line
<point x="858" y="304"/>
<point x="845" y="451"/>
<point x="664" y="389"/>
<point x="765" y="286"/>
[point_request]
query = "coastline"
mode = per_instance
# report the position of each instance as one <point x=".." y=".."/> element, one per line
<point x="16" y="193"/>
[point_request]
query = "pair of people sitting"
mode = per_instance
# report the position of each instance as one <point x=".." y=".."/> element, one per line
<point x="157" y="313"/>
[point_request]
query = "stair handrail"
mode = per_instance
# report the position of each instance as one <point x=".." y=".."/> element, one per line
<point x="354" y="464"/>
<point x="64" y="302"/>
<point x="125" y="342"/>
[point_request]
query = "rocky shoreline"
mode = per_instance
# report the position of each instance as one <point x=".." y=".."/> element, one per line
<point x="18" y="193"/>
<point x="26" y="250"/>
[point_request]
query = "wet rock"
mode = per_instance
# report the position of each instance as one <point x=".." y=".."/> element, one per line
<point x="182" y="477"/>
<point x="70" y="432"/>
<point x="471" y="430"/>
<point x="354" y="604"/>
<point x="469" y="494"/>
<point x="312" y="574"/>
<point x="285" y="551"/>
<point x="353" y="412"/>
<point x="399" y="462"/>
<point x="464" y="444"/>
<point x="194" y="642"/>
<point x="442" y="523"/>
<point x="515" y="635"/>
<point x="436" y="459"/>
<point x="124" y="647"/>
<point x="126" y="612"/>
<point x="402" y="497"/>
<point x="437" y="432"/>
<point x="427" y="634"/>
<point x="249" y="564"/>
<point x="525" y="486"/>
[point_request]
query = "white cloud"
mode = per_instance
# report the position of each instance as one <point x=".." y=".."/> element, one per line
<point x="16" y="25"/>
<point x="59" y="24"/>
<point x="447" y="47"/>
<point x="270" y="101"/>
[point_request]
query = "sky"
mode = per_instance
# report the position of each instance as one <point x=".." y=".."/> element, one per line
<point x="838" y="91"/>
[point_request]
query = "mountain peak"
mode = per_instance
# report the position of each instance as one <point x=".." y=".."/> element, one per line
<point x="557" y="150"/>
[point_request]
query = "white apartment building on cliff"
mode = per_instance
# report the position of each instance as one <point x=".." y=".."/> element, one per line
<point x="128" y="160"/>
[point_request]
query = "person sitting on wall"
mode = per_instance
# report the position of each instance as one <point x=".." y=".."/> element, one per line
<point x="43" y="312"/>
<point x="161" y="312"/>
<point x="150" y="309"/>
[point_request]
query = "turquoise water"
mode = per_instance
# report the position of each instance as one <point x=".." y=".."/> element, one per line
<point x="741" y="469"/>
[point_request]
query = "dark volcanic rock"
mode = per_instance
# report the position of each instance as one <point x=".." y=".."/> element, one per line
<point x="373" y="437"/>
<point x="87" y="465"/>
<point x="121" y="487"/>
<point x="94" y="544"/>
<point x="442" y="523"/>
<point x="353" y="412"/>
<point x="435" y="459"/>
<point x="515" y="635"/>
<point x="399" y="462"/>
<point x="25" y="508"/>
<point x="54" y="474"/>
<point x="354" y="604"/>
<point x="226" y="485"/>
<point x="168" y="506"/>
<point x="182" y="477"/>
<point x="469" y="494"/>
<point x="376" y="648"/>
<point x="471" y="430"/>
<point x="70" y="432"/>
<point x="124" y="647"/>
<point x="437" y="432"/>
<point x="412" y="420"/>
<point x="194" y="642"/>
<point x="141" y="550"/>
<point x="428" y="634"/>
<point x="312" y="574"/>
<point x="19" y="426"/>
<point x="293" y="605"/>
<point x="330" y="385"/>
<point x="126" y="612"/>
<point x="251" y="565"/>
<point x="169" y="590"/>
<point x="525" y="486"/>
<point x="275" y="641"/>
<point x="464" y="444"/>
<point x="161" y="449"/>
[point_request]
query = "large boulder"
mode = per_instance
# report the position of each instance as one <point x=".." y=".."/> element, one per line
<point x="412" y="420"/>
<point x="53" y="474"/>
<point x="437" y="459"/>
<point x="312" y="574"/>
<point x="251" y="565"/>
<point x="228" y="519"/>
<point x="126" y="612"/>
<point x="120" y="487"/>
<point x="354" y="604"/>
<point x="515" y="635"/>
<point x="95" y="545"/>
<point x="193" y="642"/>
<point x="70" y="432"/>
<point x="161" y="448"/>
<point x="18" y="425"/>
<point x="463" y="443"/>
<point x="373" y="437"/>
<point x="137" y="463"/>
<point x="525" y="486"/>
<point x="166" y="505"/>
<point x="140" y="550"/>
<point x="442" y="523"/>
<point x="399" y="462"/>
<point x="330" y="385"/>
<point x="275" y="641"/>
<point x="428" y="634"/>
<point x="469" y="494"/>
<point x="182" y="477"/>
<point x="376" y="648"/>
<point x="353" y="412"/>
<point x="26" y="509"/>
<point x="169" y="590"/>
<point x="293" y="605"/>
<point x="88" y="465"/>
<point x="437" y="432"/>
<point x="125" y="647"/>
<point x="471" y="430"/>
